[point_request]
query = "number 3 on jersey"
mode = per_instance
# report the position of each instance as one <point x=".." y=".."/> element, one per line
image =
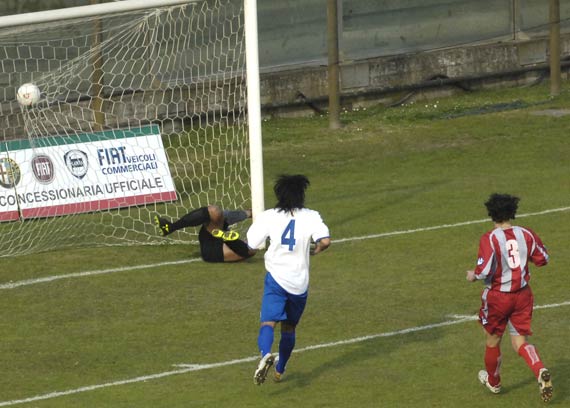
<point x="288" y="236"/>
<point x="513" y="255"/>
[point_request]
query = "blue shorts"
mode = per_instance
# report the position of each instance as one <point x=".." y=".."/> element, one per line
<point x="279" y="305"/>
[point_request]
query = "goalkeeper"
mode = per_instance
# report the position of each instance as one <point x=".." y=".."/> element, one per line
<point x="217" y="242"/>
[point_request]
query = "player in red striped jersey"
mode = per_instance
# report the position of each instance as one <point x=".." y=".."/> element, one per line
<point x="503" y="264"/>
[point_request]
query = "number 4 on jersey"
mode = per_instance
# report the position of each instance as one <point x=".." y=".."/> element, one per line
<point x="288" y="236"/>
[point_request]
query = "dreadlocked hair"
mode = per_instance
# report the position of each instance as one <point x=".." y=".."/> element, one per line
<point x="290" y="192"/>
<point x="502" y="207"/>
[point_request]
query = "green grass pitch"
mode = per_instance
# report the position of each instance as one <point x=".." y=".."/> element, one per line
<point x="150" y="326"/>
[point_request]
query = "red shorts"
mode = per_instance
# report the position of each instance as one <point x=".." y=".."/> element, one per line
<point x="501" y="308"/>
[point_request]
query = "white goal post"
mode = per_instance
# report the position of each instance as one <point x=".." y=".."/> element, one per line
<point x="147" y="107"/>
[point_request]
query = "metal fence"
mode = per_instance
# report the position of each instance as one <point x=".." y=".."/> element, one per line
<point x="294" y="32"/>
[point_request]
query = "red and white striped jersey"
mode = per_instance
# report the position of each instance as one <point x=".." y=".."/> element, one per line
<point x="504" y="256"/>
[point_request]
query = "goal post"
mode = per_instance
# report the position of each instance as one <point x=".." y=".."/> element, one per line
<point x="254" y="106"/>
<point x="147" y="107"/>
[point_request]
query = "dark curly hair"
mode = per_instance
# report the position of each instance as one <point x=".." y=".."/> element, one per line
<point x="502" y="207"/>
<point x="290" y="192"/>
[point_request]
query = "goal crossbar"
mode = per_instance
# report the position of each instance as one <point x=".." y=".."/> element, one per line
<point x="86" y="11"/>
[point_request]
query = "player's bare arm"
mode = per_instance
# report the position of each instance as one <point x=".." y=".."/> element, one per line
<point x="321" y="245"/>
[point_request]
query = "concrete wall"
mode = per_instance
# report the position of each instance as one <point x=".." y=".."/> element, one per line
<point x="383" y="79"/>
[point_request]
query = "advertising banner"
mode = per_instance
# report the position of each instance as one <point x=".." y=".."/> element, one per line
<point x="53" y="176"/>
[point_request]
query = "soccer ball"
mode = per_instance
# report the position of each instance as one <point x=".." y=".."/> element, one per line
<point x="28" y="94"/>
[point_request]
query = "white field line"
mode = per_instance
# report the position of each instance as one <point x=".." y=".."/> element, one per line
<point x="186" y="368"/>
<point x="436" y="227"/>
<point x="27" y="282"/>
<point x="354" y="340"/>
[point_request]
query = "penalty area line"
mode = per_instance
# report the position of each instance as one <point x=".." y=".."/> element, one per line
<point x="187" y="368"/>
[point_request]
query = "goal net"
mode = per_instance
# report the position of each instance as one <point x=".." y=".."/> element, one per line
<point x="141" y="112"/>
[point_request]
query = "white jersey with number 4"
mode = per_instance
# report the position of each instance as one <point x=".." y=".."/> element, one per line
<point x="290" y="235"/>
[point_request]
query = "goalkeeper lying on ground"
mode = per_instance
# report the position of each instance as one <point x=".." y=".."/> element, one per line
<point x="217" y="242"/>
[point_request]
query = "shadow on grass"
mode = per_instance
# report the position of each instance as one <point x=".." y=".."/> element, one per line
<point x="359" y="352"/>
<point x="560" y="381"/>
<point x="391" y="195"/>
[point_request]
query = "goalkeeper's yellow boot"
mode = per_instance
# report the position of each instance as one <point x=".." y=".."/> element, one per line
<point x="225" y="235"/>
<point x="163" y="225"/>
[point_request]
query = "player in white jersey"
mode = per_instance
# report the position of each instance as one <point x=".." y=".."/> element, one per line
<point x="290" y="228"/>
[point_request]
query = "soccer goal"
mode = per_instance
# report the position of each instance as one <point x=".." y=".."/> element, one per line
<point x="145" y="106"/>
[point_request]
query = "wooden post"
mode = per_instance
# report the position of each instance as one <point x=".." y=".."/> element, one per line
<point x="333" y="68"/>
<point x="554" y="20"/>
<point x="97" y="74"/>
